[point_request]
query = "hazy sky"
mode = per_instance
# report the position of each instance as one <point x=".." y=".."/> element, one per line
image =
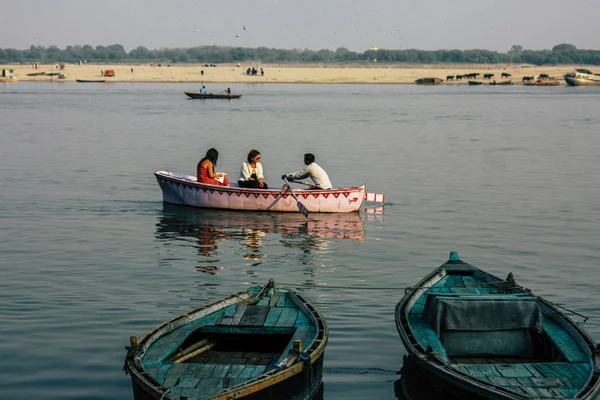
<point x="313" y="24"/>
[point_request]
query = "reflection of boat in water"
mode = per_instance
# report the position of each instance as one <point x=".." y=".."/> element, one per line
<point x="263" y="343"/>
<point x="188" y="221"/>
<point x="582" y="77"/>
<point x="481" y="337"/>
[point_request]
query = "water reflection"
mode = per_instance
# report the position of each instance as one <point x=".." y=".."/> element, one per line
<point x="206" y="230"/>
<point x="413" y="385"/>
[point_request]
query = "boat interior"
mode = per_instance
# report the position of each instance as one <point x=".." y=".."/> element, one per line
<point x="229" y="346"/>
<point x="507" y="339"/>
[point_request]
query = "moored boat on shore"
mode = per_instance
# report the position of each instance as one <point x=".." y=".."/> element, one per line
<point x="480" y="337"/>
<point x="429" y="81"/>
<point x="264" y="343"/>
<point x="582" y="77"/>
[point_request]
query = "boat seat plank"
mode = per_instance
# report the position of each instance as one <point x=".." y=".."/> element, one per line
<point x="254" y="316"/>
<point x="187" y="382"/>
<point x="273" y="300"/>
<point x="288" y="317"/>
<point x="426" y="336"/>
<point x="563" y="341"/>
<point x="220" y="371"/>
<point x="193" y="370"/>
<point x="513" y="371"/>
<point x="162" y="372"/>
<point x="451" y="281"/>
<point x="303" y="322"/>
<point x="207" y="387"/>
<point x="273" y="316"/>
<point x="472" y="284"/>
<point x="281" y="301"/>
<point x="239" y="313"/>
<point x="227" y="316"/>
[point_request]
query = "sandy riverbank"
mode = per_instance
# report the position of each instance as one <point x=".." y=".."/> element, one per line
<point x="232" y="73"/>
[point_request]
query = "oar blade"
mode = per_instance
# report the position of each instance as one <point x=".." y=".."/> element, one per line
<point x="302" y="209"/>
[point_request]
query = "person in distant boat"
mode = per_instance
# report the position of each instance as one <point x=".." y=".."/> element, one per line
<point x="202" y="90"/>
<point x="228" y="91"/>
<point x="251" y="174"/>
<point x="312" y="171"/>
<point x="206" y="170"/>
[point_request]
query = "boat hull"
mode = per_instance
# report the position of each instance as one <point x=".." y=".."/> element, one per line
<point x="185" y="190"/>
<point x="226" y="96"/>
<point x="265" y="343"/>
<point x="574" y="81"/>
<point x="467" y="365"/>
<point x="296" y="387"/>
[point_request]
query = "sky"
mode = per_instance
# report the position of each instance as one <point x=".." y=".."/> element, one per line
<point x="302" y="24"/>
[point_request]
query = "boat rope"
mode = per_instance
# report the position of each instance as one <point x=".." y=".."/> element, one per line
<point x="500" y="284"/>
<point x="165" y="393"/>
<point x="305" y="358"/>
<point x="571" y="311"/>
<point x="405" y="288"/>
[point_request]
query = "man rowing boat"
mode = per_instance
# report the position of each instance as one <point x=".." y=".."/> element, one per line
<point x="312" y="171"/>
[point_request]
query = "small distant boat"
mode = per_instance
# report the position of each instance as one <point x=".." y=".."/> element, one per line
<point x="477" y="336"/>
<point x="475" y="83"/>
<point x="53" y="73"/>
<point x="542" y="82"/>
<point x="197" y="95"/>
<point x="264" y="343"/>
<point x="501" y="83"/>
<point x="429" y="81"/>
<point x="90" y="80"/>
<point x="36" y="73"/>
<point x="582" y="77"/>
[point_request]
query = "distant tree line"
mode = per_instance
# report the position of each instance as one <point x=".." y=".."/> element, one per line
<point x="560" y="54"/>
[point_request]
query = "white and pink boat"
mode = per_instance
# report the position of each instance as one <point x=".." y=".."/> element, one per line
<point x="186" y="190"/>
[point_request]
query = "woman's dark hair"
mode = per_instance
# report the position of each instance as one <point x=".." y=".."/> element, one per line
<point x="253" y="153"/>
<point x="309" y="157"/>
<point x="212" y="155"/>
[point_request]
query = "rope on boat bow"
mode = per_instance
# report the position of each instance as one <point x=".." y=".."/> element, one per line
<point x="305" y="358"/>
<point x="500" y="284"/>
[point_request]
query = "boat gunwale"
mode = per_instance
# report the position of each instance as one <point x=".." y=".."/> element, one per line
<point x="160" y="174"/>
<point x="442" y="369"/>
<point x="315" y="350"/>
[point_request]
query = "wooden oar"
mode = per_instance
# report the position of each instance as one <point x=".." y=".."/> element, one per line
<point x="301" y="207"/>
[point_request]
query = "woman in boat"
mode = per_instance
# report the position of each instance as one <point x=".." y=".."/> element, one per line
<point x="251" y="174"/>
<point x="206" y="170"/>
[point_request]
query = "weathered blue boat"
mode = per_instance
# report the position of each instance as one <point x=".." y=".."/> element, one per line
<point x="264" y="343"/>
<point x="480" y="337"/>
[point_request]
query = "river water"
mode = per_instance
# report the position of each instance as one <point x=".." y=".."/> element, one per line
<point x="507" y="176"/>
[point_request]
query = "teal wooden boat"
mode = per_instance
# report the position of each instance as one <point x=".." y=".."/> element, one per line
<point x="480" y="337"/>
<point x="264" y="343"/>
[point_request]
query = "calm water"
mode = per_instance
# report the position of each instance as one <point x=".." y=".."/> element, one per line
<point x="507" y="176"/>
